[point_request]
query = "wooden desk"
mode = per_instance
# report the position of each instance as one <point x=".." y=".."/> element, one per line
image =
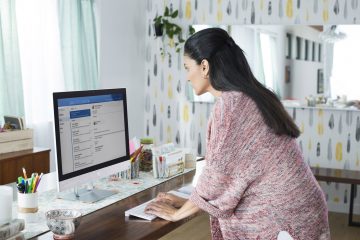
<point x="111" y="223"/>
<point x="340" y="176"/>
<point x="34" y="160"/>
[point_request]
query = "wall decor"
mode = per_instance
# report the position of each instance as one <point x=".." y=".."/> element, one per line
<point x="320" y="81"/>
<point x="288" y="46"/>
<point x="287" y="74"/>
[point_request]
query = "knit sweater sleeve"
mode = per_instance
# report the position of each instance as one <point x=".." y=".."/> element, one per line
<point x="229" y="170"/>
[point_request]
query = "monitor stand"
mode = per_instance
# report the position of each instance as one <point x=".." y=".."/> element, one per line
<point x="87" y="195"/>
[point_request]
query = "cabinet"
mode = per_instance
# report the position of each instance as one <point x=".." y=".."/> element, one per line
<point x="33" y="160"/>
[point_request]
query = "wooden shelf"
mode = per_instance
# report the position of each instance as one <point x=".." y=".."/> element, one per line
<point x="33" y="160"/>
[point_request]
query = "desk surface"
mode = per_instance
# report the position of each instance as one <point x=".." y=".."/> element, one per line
<point x="4" y="156"/>
<point x="110" y="222"/>
<point x="336" y="175"/>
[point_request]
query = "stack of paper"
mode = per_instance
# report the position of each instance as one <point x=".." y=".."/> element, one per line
<point x="12" y="230"/>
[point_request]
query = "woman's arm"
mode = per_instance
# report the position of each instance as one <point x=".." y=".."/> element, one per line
<point x="171" y="213"/>
<point x="188" y="209"/>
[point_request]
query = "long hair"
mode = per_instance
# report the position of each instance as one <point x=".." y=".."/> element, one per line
<point x="230" y="71"/>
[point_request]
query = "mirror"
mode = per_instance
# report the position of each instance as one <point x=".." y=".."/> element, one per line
<point x="299" y="61"/>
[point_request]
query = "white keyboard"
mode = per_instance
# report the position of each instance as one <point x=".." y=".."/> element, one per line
<point x="139" y="211"/>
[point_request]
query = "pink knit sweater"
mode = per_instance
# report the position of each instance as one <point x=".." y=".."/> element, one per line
<point x="256" y="183"/>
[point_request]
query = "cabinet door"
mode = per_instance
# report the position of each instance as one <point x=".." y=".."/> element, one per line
<point x="1" y="174"/>
<point x="12" y="168"/>
<point x="41" y="162"/>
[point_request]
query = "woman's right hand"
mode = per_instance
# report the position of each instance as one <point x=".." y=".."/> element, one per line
<point x="171" y="199"/>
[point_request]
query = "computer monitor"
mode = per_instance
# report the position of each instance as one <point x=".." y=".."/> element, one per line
<point x="92" y="139"/>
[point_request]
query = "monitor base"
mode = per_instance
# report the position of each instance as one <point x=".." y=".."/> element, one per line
<point x="86" y="195"/>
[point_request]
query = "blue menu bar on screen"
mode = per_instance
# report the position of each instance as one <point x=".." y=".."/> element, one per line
<point x="89" y="99"/>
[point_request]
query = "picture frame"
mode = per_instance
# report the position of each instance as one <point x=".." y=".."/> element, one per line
<point x="288" y="46"/>
<point x="299" y="55"/>
<point x="16" y="123"/>
<point x="287" y="74"/>
<point x="320" y="81"/>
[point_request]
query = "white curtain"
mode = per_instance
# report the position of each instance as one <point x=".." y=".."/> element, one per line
<point x="328" y="66"/>
<point x="267" y="61"/>
<point x="275" y="66"/>
<point x="259" y="64"/>
<point x="78" y="44"/>
<point x="40" y="55"/>
<point x="11" y="98"/>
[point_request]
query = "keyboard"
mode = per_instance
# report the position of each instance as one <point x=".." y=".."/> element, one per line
<point x="139" y="211"/>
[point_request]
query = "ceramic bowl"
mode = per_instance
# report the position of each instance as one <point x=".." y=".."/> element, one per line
<point x="63" y="222"/>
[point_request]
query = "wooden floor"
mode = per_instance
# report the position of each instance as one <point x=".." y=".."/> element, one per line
<point x="198" y="229"/>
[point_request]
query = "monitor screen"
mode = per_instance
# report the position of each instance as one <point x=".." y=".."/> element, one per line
<point x="91" y="131"/>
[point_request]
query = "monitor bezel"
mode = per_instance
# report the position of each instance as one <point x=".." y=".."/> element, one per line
<point x="73" y="94"/>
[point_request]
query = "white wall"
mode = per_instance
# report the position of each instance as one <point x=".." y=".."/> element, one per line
<point x="122" y="54"/>
<point x="245" y="37"/>
<point x="303" y="78"/>
<point x="303" y="73"/>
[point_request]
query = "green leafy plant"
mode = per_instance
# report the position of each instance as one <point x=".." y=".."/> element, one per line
<point x="164" y="24"/>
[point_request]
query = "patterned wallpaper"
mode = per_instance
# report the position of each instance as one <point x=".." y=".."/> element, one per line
<point x="170" y="117"/>
<point x="330" y="138"/>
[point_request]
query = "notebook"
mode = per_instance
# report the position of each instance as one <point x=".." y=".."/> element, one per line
<point x="139" y="211"/>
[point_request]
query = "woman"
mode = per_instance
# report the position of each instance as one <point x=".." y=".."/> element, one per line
<point x="255" y="182"/>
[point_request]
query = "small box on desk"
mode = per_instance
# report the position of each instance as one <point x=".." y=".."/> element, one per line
<point x="16" y="140"/>
<point x="168" y="161"/>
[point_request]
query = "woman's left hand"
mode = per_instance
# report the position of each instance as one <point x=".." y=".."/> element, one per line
<point x="162" y="210"/>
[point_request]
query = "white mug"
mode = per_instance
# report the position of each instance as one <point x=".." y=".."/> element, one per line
<point x="27" y="202"/>
<point x="6" y="199"/>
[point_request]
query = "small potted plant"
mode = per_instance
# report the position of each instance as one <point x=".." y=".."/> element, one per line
<point x="163" y="24"/>
<point x="158" y="26"/>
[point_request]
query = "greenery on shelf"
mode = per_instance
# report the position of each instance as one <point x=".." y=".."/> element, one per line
<point x="164" y="25"/>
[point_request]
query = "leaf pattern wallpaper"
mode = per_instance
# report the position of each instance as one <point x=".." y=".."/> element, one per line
<point x="336" y="146"/>
<point x="328" y="139"/>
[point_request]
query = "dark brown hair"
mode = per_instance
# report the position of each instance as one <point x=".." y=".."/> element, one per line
<point x="230" y="71"/>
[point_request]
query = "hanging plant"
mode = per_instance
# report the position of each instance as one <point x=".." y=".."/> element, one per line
<point x="164" y="24"/>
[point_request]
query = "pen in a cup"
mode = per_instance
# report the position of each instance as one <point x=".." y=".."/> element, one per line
<point x="24" y="172"/>
<point x="29" y="185"/>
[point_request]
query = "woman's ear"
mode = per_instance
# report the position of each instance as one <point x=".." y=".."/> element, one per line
<point x="204" y="68"/>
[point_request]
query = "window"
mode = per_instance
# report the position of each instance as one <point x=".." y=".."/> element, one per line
<point x="288" y="46"/>
<point x="313" y="52"/>
<point x="298" y="48"/>
<point x="307" y="50"/>
<point x="344" y="78"/>
<point x="269" y="60"/>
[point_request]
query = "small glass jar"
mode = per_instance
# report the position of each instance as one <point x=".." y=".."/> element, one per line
<point x="145" y="157"/>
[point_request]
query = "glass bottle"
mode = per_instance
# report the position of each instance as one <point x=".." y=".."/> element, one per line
<point x="145" y="156"/>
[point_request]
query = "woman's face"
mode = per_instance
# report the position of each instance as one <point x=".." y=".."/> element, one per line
<point x="197" y="75"/>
